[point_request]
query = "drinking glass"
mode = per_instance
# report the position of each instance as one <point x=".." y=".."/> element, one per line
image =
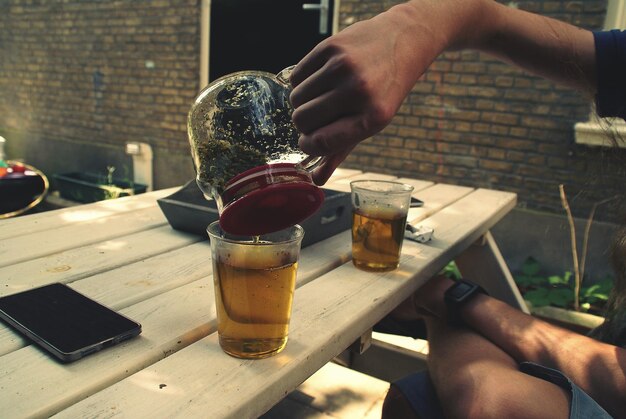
<point x="379" y="212"/>
<point x="254" y="279"/>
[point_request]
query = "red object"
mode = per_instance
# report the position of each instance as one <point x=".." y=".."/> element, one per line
<point x="269" y="198"/>
<point x="18" y="168"/>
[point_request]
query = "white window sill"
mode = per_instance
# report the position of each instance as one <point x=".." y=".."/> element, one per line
<point x="597" y="134"/>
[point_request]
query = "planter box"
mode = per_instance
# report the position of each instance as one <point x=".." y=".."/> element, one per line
<point x="91" y="187"/>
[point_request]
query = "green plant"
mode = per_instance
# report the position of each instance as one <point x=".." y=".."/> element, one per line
<point x="451" y="271"/>
<point x="579" y="263"/>
<point x="560" y="290"/>
<point x="110" y="180"/>
<point x="111" y="188"/>
<point x="110" y="170"/>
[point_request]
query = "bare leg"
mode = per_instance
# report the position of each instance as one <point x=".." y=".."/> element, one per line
<point x="475" y="378"/>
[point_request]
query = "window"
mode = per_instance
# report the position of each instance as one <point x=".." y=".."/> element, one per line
<point x="596" y="131"/>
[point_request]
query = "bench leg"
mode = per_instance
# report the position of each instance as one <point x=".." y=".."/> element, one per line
<point x="483" y="263"/>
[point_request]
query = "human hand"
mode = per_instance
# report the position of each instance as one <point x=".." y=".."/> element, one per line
<point x="428" y="300"/>
<point x="350" y="86"/>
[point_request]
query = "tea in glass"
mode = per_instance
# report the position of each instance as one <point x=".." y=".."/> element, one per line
<point x="379" y="213"/>
<point x="254" y="279"/>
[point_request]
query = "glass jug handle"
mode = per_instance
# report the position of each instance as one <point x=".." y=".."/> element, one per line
<point x="283" y="76"/>
<point x="309" y="163"/>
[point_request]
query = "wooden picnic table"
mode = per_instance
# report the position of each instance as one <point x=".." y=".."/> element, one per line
<point x="124" y="254"/>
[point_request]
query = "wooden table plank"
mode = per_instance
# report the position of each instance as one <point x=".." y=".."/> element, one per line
<point x="323" y="256"/>
<point x="39" y="244"/>
<point x="343" y="184"/>
<point x="78" y="263"/>
<point x="435" y="198"/>
<point x="329" y="313"/>
<point x="417" y="184"/>
<point x="20" y="226"/>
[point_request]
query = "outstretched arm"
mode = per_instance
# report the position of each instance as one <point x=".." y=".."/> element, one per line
<point x="350" y="85"/>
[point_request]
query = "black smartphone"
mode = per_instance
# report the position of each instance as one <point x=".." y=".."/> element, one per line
<point x="65" y="322"/>
<point x="416" y="203"/>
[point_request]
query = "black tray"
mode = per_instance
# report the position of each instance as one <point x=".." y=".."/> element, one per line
<point x="187" y="210"/>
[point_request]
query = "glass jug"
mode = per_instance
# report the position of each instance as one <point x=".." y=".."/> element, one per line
<point x="246" y="156"/>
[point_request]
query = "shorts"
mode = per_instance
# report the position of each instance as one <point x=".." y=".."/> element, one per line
<point x="420" y="392"/>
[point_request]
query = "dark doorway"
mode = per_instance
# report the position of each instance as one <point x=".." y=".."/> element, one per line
<point x="264" y="35"/>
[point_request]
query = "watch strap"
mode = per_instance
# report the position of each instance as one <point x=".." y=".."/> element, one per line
<point x="458" y="295"/>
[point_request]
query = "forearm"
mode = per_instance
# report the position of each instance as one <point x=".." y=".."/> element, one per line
<point x="596" y="367"/>
<point x="435" y="26"/>
<point x="541" y="45"/>
<point x="544" y="46"/>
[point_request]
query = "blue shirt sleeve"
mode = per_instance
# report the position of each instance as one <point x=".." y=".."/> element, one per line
<point x="611" y="73"/>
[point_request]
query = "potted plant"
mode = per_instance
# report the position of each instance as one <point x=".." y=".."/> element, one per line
<point x="91" y="187"/>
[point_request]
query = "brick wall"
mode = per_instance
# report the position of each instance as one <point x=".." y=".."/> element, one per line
<point x="473" y="120"/>
<point x="80" y="78"/>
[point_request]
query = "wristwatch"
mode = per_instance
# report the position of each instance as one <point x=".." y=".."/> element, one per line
<point x="457" y="296"/>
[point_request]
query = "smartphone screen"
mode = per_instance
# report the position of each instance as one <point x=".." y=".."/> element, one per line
<point x="64" y="322"/>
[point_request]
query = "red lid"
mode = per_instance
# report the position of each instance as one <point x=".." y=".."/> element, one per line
<point x="269" y="198"/>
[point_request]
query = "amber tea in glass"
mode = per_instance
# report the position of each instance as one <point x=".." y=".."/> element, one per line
<point x="254" y="280"/>
<point x="379" y="213"/>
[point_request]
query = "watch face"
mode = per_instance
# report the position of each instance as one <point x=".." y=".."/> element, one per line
<point x="459" y="290"/>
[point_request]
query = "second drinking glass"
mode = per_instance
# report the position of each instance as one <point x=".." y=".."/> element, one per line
<point x="379" y="212"/>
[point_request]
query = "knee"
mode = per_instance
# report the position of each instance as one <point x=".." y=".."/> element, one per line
<point x="396" y="405"/>
<point x="476" y="395"/>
